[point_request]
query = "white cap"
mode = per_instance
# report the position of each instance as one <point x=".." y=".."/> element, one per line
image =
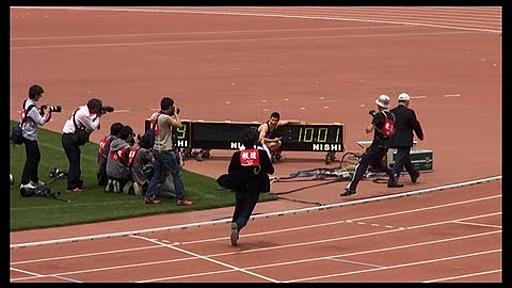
<point x="383" y="101"/>
<point x="404" y="97"/>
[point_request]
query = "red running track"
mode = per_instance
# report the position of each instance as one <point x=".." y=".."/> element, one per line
<point x="451" y="235"/>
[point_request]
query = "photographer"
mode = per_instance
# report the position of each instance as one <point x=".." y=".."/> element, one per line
<point x="118" y="171"/>
<point x="166" y="158"/>
<point x="31" y="119"/>
<point x="87" y="119"/>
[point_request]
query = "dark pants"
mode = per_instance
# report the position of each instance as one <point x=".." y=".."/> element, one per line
<point x="403" y="159"/>
<point x="245" y="202"/>
<point x="73" y="154"/>
<point x="373" y="156"/>
<point x="101" y="174"/>
<point x="165" y="161"/>
<point x="31" y="162"/>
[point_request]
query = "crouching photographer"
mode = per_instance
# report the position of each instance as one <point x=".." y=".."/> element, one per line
<point x="77" y="129"/>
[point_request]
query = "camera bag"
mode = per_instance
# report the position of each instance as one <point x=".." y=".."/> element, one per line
<point x="17" y="131"/>
<point x="80" y="136"/>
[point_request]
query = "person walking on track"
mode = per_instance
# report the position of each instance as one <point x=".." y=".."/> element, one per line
<point x="383" y="125"/>
<point x="248" y="169"/>
<point x="406" y="125"/>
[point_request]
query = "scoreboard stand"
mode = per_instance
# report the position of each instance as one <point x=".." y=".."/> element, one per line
<point x="197" y="138"/>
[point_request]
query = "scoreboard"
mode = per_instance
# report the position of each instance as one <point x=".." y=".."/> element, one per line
<point x="226" y="135"/>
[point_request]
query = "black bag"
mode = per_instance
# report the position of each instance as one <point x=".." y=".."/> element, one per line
<point x="80" y="136"/>
<point x="16" y="135"/>
<point x="17" y="131"/>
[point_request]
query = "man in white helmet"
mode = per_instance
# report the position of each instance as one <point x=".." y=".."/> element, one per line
<point x="383" y="125"/>
<point x="406" y="125"/>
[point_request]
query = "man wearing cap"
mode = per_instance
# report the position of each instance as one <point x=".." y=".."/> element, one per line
<point x="406" y="123"/>
<point x="382" y="125"/>
<point x="84" y="117"/>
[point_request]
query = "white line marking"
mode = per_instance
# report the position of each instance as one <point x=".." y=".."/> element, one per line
<point x="264" y="215"/>
<point x="462" y="276"/>
<point x="207" y="259"/>
<point x="373" y="224"/>
<point x="418" y="97"/>
<point x="356" y="253"/>
<point x="426" y="208"/>
<point x="447" y="222"/>
<point x="477" y="224"/>
<point x="171" y="42"/>
<point x="397" y="266"/>
<point x="259" y="15"/>
<point x="269" y="248"/>
<point x="121" y="111"/>
<point x="451" y="95"/>
<point x="27" y="272"/>
<point x="201" y="33"/>
<point x="356" y="262"/>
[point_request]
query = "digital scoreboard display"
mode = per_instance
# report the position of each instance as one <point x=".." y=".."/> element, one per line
<point x="226" y="135"/>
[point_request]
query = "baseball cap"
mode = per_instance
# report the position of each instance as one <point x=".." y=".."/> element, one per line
<point x="404" y="97"/>
<point x="383" y="101"/>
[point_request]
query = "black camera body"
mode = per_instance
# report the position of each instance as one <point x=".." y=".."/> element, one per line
<point x="107" y="109"/>
<point x="40" y="191"/>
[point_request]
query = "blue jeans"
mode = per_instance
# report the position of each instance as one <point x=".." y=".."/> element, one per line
<point x="165" y="161"/>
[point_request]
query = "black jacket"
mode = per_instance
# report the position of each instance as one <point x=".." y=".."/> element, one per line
<point x="405" y="124"/>
<point x="244" y="179"/>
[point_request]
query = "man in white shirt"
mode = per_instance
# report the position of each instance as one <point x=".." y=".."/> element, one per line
<point x="85" y="117"/>
<point x="31" y="119"/>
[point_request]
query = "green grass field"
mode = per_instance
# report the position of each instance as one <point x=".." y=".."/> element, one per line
<point x="93" y="204"/>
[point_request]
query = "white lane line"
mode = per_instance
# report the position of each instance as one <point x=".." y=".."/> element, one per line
<point x="273" y="248"/>
<point x="207" y="259"/>
<point x="451" y="95"/>
<point x="37" y="275"/>
<point x="477" y="224"/>
<point x="397" y="266"/>
<point x="200" y="33"/>
<point x="263" y="215"/>
<point x="462" y="276"/>
<point x="154" y="10"/>
<point x="447" y="222"/>
<point x="85" y="255"/>
<point x="356" y="262"/>
<point x="426" y="208"/>
<point x="418" y="97"/>
<point x="341" y="255"/>
<point x="27" y="272"/>
<point x="173" y="42"/>
<point x="121" y="111"/>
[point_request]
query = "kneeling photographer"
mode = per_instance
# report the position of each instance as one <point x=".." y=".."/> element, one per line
<point x="84" y="120"/>
<point x="31" y="118"/>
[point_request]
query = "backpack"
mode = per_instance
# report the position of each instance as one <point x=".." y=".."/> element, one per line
<point x="17" y="131"/>
<point x="151" y="133"/>
<point x="388" y="129"/>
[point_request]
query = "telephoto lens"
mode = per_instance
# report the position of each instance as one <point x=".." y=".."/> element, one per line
<point x="56" y="108"/>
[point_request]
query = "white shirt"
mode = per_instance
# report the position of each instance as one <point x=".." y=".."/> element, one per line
<point x="84" y="119"/>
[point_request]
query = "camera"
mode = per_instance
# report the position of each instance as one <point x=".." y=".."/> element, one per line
<point x="371" y="112"/>
<point x="56" y="172"/>
<point x="53" y="108"/>
<point x="175" y="111"/>
<point x="107" y="109"/>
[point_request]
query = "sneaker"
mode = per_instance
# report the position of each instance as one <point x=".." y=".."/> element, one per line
<point x="151" y="201"/>
<point x="184" y="202"/>
<point x="415" y="177"/>
<point x="74" y="190"/>
<point x="395" y="185"/>
<point x="234" y="234"/>
<point x="127" y="186"/>
<point x="39" y="183"/>
<point x="29" y="185"/>
<point x="109" y="186"/>
<point x="348" y="192"/>
<point x="117" y="186"/>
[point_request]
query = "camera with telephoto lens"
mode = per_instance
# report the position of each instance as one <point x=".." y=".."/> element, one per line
<point x="53" y="108"/>
<point x="371" y="112"/>
<point x="175" y="111"/>
<point x="107" y="109"/>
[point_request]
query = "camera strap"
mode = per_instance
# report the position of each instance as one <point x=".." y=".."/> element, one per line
<point x="24" y="112"/>
<point x="74" y="121"/>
